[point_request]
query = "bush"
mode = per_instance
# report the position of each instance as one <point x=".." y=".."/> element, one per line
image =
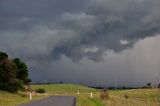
<point x="126" y="96"/>
<point x="40" y="90"/>
<point x="11" y="87"/>
<point x="104" y="95"/>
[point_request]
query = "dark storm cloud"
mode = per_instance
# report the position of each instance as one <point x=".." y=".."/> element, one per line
<point x="27" y="22"/>
<point x="39" y="8"/>
<point x="42" y="31"/>
<point x="102" y="25"/>
<point x="105" y="23"/>
<point x="26" y="13"/>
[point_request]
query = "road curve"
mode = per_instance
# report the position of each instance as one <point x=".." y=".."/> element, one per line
<point x="53" y="101"/>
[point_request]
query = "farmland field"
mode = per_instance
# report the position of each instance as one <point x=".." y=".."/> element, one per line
<point x="135" y="97"/>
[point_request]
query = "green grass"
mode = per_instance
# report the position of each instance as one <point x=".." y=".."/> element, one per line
<point x="87" y="101"/>
<point x="8" y="99"/>
<point x="72" y="89"/>
<point x="62" y="88"/>
<point x="136" y="97"/>
<point x="12" y="99"/>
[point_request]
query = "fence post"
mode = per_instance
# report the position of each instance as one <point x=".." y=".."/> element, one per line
<point x="148" y="99"/>
<point x="30" y="96"/>
<point x="91" y="95"/>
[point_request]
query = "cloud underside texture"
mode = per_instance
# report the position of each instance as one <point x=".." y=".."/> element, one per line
<point x="102" y="25"/>
<point x="45" y="31"/>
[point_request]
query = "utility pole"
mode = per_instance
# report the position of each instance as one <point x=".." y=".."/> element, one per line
<point x="115" y="84"/>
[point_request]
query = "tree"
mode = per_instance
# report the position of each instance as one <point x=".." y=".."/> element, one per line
<point x="3" y="55"/>
<point x="158" y="85"/>
<point x="158" y="79"/>
<point x="8" y="76"/>
<point x="22" y="71"/>
<point x="149" y="85"/>
<point x="13" y="74"/>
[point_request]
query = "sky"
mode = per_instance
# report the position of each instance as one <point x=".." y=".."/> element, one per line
<point x="91" y="42"/>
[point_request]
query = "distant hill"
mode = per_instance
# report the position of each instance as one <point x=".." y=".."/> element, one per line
<point x="62" y="88"/>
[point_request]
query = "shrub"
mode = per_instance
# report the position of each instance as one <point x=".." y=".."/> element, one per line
<point x="104" y="95"/>
<point x="126" y="96"/>
<point x="40" y="90"/>
<point x="11" y="87"/>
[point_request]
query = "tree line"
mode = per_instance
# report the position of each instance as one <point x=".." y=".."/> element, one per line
<point x="13" y="73"/>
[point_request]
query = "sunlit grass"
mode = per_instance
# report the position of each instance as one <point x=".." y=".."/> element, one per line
<point x="136" y="97"/>
<point x="85" y="100"/>
<point x="11" y="99"/>
<point x="62" y="88"/>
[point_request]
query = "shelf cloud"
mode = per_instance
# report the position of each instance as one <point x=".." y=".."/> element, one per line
<point x="46" y="31"/>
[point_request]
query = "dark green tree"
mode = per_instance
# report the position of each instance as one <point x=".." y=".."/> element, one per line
<point x="149" y="85"/>
<point x="13" y="74"/>
<point x="158" y="85"/>
<point x="3" y="55"/>
<point x="22" y="71"/>
<point x="9" y="82"/>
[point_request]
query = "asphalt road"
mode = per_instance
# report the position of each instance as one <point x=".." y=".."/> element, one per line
<point x="53" y="101"/>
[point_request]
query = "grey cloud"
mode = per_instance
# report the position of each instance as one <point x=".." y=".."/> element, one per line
<point x="102" y="24"/>
<point x="105" y="23"/>
<point x="39" y="8"/>
<point x="48" y="33"/>
<point x="22" y="15"/>
<point x="132" y="67"/>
